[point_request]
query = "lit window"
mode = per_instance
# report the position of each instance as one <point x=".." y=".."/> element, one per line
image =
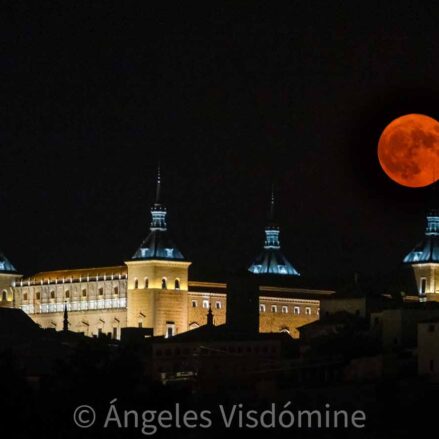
<point x="218" y="305"/>
<point x="284" y="309"/>
<point x="170" y="329"/>
<point x="262" y="308"/>
<point x="177" y="284"/>
<point x="273" y="308"/>
<point x="194" y="303"/>
<point x="205" y="304"/>
<point x="308" y="311"/>
<point x="296" y="310"/>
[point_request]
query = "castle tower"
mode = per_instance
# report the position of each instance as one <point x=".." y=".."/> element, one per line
<point x="158" y="278"/>
<point x="8" y="274"/>
<point x="271" y="260"/>
<point x="424" y="259"/>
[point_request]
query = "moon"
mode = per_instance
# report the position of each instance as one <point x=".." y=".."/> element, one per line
<point x="408" y="150"/>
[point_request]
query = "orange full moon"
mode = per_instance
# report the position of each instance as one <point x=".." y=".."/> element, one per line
<point x="408" y="150"/>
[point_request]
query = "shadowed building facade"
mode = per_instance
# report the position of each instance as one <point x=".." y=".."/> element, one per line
<point x="153" y="290"/>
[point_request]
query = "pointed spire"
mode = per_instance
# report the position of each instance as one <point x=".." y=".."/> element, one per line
<point x="271" y="217"/>
<point x="158" y="244"/>
<point x="157" y="194"/>
<point x="66" y="318"/>
<point x="158" y="212"/>
<point x="272" y="230"/>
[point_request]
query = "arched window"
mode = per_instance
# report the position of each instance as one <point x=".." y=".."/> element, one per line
<point x="136" y="283"/>
<point x="164" y="285"/>
<point x="146" y="282"/>
<point x="177" y="284"/>
<point x="4" y="296"/>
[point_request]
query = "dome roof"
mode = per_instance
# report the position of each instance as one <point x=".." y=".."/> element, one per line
<point x="272" y="261"/>
<point x="427" y="251"/>
<point x="5" y="265"/>
<point x="158" y="245"/>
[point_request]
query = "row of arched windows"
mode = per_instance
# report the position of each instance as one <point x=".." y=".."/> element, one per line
<point x="164" y="283"/>
<point x="67" y="293"/>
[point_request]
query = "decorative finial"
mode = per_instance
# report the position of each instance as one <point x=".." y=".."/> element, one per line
<point x="272" y="203"/>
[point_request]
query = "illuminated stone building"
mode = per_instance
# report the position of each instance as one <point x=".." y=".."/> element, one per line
<point x="153" y="290"/>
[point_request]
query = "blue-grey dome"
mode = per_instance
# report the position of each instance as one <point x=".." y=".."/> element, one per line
<point x="427" y="250"/>
<point x="271" y="260"/>
<point x="5" y="265"/>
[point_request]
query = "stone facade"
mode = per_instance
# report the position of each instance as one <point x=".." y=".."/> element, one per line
<point x="149" y="294"/>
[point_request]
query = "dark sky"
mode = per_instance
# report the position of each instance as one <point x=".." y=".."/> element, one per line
<point x="228" y="99"/>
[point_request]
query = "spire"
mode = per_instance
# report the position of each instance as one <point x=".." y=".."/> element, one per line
<point x="271" y="216"/>
<point x="157" y="193"/>
<point x="158" y="212"/>
<point x="158" y="244"/>
<point x="272" y="260"/>
<point x="66" y="318"/>
<point x="272" y="230"/>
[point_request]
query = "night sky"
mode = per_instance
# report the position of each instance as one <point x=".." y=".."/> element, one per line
<point x="228" y="99"/>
